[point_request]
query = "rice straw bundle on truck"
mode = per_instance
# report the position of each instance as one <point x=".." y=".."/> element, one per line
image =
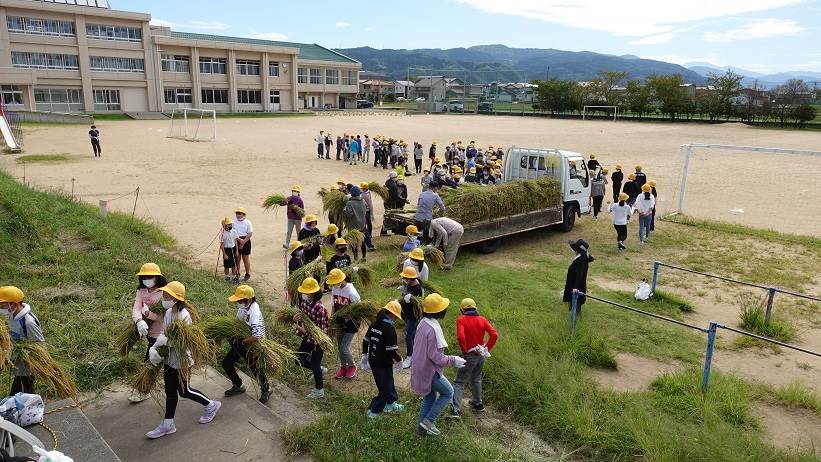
<point x="271" y="355"/>
<point x="474" y="203"/>
<point x="44" y="369"/>
<point x="285" y="317"/>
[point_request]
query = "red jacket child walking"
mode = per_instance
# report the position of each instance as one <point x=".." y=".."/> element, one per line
<point x="471" y="330"/>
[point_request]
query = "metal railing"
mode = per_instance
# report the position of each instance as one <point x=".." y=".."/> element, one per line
<point x="771" y="291"/>
<point x="711" y="331"/>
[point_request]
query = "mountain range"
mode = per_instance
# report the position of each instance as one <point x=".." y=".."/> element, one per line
<point x="755" y="78"/>
<point x="488" y="63"/>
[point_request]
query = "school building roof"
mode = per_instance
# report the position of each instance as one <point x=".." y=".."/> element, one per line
<point x="310" y="51"/>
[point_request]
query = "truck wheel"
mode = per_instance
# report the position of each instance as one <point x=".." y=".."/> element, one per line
<point x="489" y="246"/>
<point x="569" y="218"/>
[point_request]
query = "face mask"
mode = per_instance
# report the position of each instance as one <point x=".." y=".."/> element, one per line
<point x="149" y="283"/>
<point x="228" y="228"/>
<point x="298" y="253"/>
<point x="240" y="218"/>
<point x="305" y="297"/>
<point x="241" y="305"/>
<point x="168" y="304"/>
<point x="389" y="321"/>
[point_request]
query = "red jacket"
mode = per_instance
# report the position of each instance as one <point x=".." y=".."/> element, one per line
<point x="471" y="329"/>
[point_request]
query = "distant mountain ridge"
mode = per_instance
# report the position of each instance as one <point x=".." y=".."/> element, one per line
<point x="755" y="78"/>
<point x="487" y="63"/>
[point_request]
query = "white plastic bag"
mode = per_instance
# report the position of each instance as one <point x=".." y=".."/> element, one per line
<point x="643" y="291"/>
<point x="22" y="409"/>
<point x="51" y="456"/>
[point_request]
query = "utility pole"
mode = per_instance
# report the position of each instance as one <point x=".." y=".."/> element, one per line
<point x="547" y="74"/>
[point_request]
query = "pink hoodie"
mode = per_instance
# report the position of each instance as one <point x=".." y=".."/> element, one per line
<point x="427" y="359"/>
<point x="150" y="298"/>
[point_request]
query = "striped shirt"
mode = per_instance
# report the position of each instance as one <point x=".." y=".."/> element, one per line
<point x="252" y="316"/>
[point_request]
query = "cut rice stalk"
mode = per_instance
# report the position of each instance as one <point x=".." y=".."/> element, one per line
<point x="188" y="338"/>
<point x="354" y="238"/>
<point x="146" y="379"/>
<point x="45" y="370"/>
<point x="126" y="339"/>
<point x="285" y="317"/>
<point x="273" y="201"/>
<point x="297" y="210"/>
<point x="379" y="189"/>
<point x="362" y="277"/>
<point x="271" y="355"/>
<point x="5" y="345"/>
<point x="365" y="310"/>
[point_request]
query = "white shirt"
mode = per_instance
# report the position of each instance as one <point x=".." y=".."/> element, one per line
<point x="644" y="206"/>
<point x="421" y="275"/>
<point x="252" y="316"/>
<point x="171" y="315"/>
<point x="243" y="227"/>
<point x="621" y="213"/>
<point x="229" y="238"/>
<point x="344" y="296"/>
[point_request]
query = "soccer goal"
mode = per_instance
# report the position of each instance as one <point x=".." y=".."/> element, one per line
<point x="193" y="124"/>
<point x="595" y="109"/>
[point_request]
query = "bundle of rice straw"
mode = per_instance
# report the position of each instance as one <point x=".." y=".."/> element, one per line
<point x="315" y="269"/>
<point x="146" y="379"/>
<point x="433" y="257"/>
<point x="354" y="237"/>
<point x="362" y="277"/>
<point x="474" y="203"/>
<point x="269" y="354"/>
<point x="365" y="310"/>
<point x="188" y="338"/>
<point x="126" y="339"/>
<point x="429" y="287"/>
<point x="285" y="317"/>
<point x="5" y="345"/>
<point x="379" y="189"/>
<point x="44" y="369"/>
<point x="273" y="201"/>
<point x="333" y="201"/>
<point x="297" y="210"/>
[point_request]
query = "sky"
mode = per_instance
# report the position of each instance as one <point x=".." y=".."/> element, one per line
<point x="764" y="36"/>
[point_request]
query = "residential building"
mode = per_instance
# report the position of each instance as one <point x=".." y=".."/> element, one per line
<point x="82" y="56"/>
<point x="436" y="87"/>
<point x="375" y="90"/>
<point x="403" y="89"/>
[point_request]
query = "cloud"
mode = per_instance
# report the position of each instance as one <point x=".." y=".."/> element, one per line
<point x="654" y="39"/>
<point x="763" y="28"/>
<point x="343" y="24"/>
<point x="369" y="29"/>
<point x="267" y="35"/>
<point x="681" y="60"/>
<point x="637" y="18"/>
<point x="198" y="25"/>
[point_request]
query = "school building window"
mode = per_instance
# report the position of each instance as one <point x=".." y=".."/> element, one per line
<point x="11" y="94"/>
<point x="247" y="67"/>
<point x="212" y="65"/>
<point x="350" y="78"/>
<point x="274" y="96"/>
<point x="112" y="64"/>
<point x="116" y="33"/>
<point x="249" y="96"/>
<point x="106" y="100"/>
<point x="273" y="69"/>
<point x="44" y="61"/>
<point x="58" y="99"/>
<point x="316" y="76"/>
<point x="331" y="76"/>
<point x="37" y="26"/>
<point x="302" y="75"/>
<point x="173" y="63"/>
<point x="177" y="95"/>
<point x="214" y="96"/>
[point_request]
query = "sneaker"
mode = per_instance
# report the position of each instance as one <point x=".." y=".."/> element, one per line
<point x="421" y="431"/>
<point x="429" y="427"/>
<point x="406" y="363"/>
<point x="210" y="412"/>
<point x="236" y="278"/>
<point x="454" y="415"/>
<point x="341" y="372"/>
<point x="323" y="369"/>
<point x="162" y="429"/>
<point x="394" y="407"/>
<point x="371" y="415"/>
<point x="477" y="407"/>
<point x="351" y="372"/>
<point x="247" y="277"/>
<point x="227" y="278"/>
<point x="235" y="390"/>
<point x="371" y="249"/>
<point x="264" y="396"/>
<point x="137" y="397"/>
<point x="316" y="394"/>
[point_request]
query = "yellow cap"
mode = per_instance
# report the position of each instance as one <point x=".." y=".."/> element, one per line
<point x="618" y="166"/>
<point x="364" y="186"/>
<point x="457" y="169"/>
<point x="623" y="197"/>
<point x="409" y="272"/>
<point x="631" y="176"/>
<point x="436" y="160"/>
<point x="331" y="230"/>
<point x="394" y="308"/>
<point x="605" y="171"/>
<point x="638" y="168"/>
<point x="175" y="289"/>
<point x="472" y="170"/>
<point x="417" y="254"/>
<point x="335" y="277"/>
<point x="296" y="188"/>
<point x="434" y="143"/>
<point x="294" y="246"/>
<point x="11" y="294"/>
<point x="435" y="303"/>
<point x="243" y="292"/>
<point x="646" y="188"/>
<point x="310" y="218"/>
<point x="400" y="176"/>
<point x="652" y="183"/>
<point x="240" y="210"/>
<point x="150" y="269"/>
<point x="467" y="303"/>
<point x="340" y="241"/>
<point x="309" y="286"/>
<point x="341" y="181"/>
<point x="592" y="156"/>
<point x="226" y="221"/>
<point x="411" y="229"/>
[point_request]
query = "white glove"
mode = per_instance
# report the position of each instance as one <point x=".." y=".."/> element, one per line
<point x="363" y="362"/>
<point x="407" y="298"/>
<point x="142" y="328"/>
<point x="154" y="356"/>
<point x="51" y="456"/>
<point x="162" y="340"/>
<point x="355" y="269"/>
<point x="459" y="362"/>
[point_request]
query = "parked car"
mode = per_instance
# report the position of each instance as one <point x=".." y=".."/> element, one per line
<point x="401" y="99"/>
<point x="420" y="99"/>
<point x="363" y="104"/>
<point x="456" y="106"/>
<point x="485" y="107"/>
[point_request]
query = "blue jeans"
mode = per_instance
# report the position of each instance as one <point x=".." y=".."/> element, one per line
<point x="441" y="394"/>
<point x="644" y="227"/>
<point x="410" y="332"/>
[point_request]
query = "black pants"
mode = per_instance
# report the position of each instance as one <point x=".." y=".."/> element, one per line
<point x="597" y="200"/>
<point x="621" y="233"/>
<point x="418" y="164"/>
<point x="386" y="390"/>
<point x="238" y="352"/>
<point x="151" y="341"/>
<point x="174" y="386"/>
<point x="616" y="191"/>
<point x="423" y="227"/>
<point x="22" y="383"/>
<point x="95" y="145"/>
<point x="377" y="156"/>
<point x="309" y="356"/>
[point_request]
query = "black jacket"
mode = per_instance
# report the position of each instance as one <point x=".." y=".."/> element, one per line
<point x="393" y="194"/>
<point x="576" y="278"/>
<point x="380" y="344"/>
<point x="641" y="178"/>
<point x="409" y="308"/>
<point x="632" y="189"/>
<point x="295" y="263"/>
<point x="593" y="164"/>
<point x="616" y="178"/>
<point x="311" y="251"/>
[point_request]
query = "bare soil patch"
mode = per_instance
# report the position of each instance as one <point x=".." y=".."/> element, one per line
<point x="635" y="373"/>
<point x="791" y="428"/>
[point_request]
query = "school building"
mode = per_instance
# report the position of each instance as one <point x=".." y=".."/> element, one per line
<point x="83" y="56"/>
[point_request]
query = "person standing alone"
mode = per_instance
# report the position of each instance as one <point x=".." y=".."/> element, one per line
<point x="94" y="136"/>
<point x="294" y="220"/>
<point x="597" y="190"/>
<point x="245" y="230"/>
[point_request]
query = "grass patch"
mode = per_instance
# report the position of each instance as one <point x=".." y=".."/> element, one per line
<point x="34" y="158"/>
<point x="262" y="115"/>
<point x="797" y="395"/>
<point x="752" y="317"/>
<point x="98" y="116"/>
<point x="741" y="230"/>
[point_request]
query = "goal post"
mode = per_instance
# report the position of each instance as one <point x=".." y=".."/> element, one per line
<point x="614" y="108"/>
<point x="193" y="124"/>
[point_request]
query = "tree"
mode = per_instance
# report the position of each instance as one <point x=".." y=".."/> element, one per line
<point x="669" y="94"/>
<point x="638" y="98"/>
<point x="788" y="95"/>
<point x="608" y="82"/>
<point x="803" y="114"/>
<point x="724" y="88"/>
<point x="555" y="95"/>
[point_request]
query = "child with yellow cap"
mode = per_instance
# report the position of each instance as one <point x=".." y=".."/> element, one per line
<point x="310" y="235"/>
<point x="245" y="230"/>
<point x="294" y="218"/>
<point x="248" y="312"/>
<point x="621" y="216"/>
<point x="380" y="352"/>
<point x="229" y="237"/>
<point x="343" y="293"/>
<point x="412" y="242"/>
<point x="309" y="355"/>
<point x="24" y="326"/>
<point x="476" y="337"/>
<point x="149" y="324"/>
<point x="411" y="311"/>
<point x="644" y="206"/>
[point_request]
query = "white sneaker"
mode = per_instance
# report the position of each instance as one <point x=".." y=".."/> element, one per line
<point x="162" y="429"/>
<point x="406" y="363"/>
<point x="316" y="394"/>
<point x="210" y="412"/>
<point x="137" y="397"/>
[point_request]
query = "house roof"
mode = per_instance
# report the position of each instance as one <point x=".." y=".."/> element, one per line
<point x="306" y="50"/>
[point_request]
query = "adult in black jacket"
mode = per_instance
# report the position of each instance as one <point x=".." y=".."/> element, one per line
<point x="380" y="352"/>
<point x="577" y="274"/>
<point x="616" y="178"/>
<point x="593" y="164"/>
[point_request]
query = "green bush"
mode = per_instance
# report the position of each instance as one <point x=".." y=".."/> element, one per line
<point x="752" y="317"/>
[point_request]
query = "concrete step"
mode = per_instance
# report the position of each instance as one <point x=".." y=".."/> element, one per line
<point x="147" y="115"/>
<point x="75" y="434"/>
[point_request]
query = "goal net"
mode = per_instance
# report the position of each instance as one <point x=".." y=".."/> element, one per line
<point x="593" y="111"/>
<point x="193" y="124"/>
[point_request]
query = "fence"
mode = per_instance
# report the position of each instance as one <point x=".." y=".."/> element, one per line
<point x="771" y="291"/>
<point x="711" y="331"/>
<point x="53" y="117"/>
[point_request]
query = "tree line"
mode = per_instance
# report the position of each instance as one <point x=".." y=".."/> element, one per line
<point x="723" y="98"/>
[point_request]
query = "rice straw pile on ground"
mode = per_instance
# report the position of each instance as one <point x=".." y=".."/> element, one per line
<point x="396" y="281"/>
<point x="271" y="355"/>
<point x="365" y="310"/>
<point x="474" y="203"/>
<point x="285" y="317"/>
<point x="126" y="339"/>
<point x="188" y="338"/>
<point x="433" y="256"/>
<point x="379" y="189"/>
<point x="45" y="370"/>
<point x="5" y="345"/>
<point x="362" y="277"/>
<point x="273" y="201"/>
<point x="333" y="201"/>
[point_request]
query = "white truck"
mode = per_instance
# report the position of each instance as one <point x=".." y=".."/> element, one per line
<point x="567" y="167"/>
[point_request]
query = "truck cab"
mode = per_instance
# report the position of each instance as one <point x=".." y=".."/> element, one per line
<point x="568" y="167"/>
